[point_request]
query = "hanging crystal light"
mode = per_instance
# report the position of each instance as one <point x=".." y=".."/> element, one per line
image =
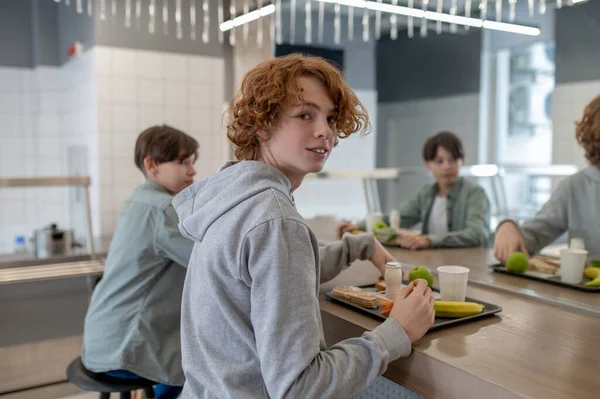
<point x="79" y="4"/>
<point x="293" y="21"/>
<point x="232" y="14"/>
<point x="511" y="10"/>
<point x="220" y="19"/>
<point x="410" y="25"/>
<point x="350" y="23"/>
<point x="531" y="7"/>
<point x="424" y="5"/>
<point x="178" y="19"/>
<point x="205" y="22"/>
<point x="453" y="10"/>
<point x="468" y="6"/>
<point x="246" y="25"/>
<point x="138" y="13"/>
<point x="394" y="23"/>
<point x="365" y="23"/>
<point x="278" y="33"/>
<point x="165" y="17"/>
<point x="127" y="13"/>
<point x="337" y="29"/>
<point x="542" y="7"/>
<point x="378" y="23"/>
<point x="307" y="21"/>
<point x="102" y="10"/>
<point x="193" y="20"/>
<point x="259" y="30"/>
<point x="152" y="16"/>
<point x="483" y="9"/>
<point x="89" y="7"/>
<point x="321" y="21"/>
<point x="439" y="8"/>
<point x="499" y="10"/>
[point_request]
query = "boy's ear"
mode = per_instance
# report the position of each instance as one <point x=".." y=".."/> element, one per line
<point x="427" y="164"/>
<point x="262" y="135"/>
<point x="150" y="166"/>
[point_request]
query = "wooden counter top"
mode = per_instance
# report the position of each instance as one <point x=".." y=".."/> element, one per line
<point x="532" y="350"/>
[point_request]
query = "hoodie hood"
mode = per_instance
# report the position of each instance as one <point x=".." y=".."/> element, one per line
<point x="202" y="203"/>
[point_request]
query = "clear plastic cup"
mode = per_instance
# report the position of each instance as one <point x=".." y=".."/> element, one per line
<point x="453" y="282"/>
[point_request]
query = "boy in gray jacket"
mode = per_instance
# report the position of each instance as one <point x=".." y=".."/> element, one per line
<point x="251" y="325"/>
<point x="574" y="206"/>
<point x="132" y="324"/>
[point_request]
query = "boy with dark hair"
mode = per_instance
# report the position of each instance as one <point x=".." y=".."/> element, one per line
<point x="454" y="212"/>
<point x="132" y="324"/>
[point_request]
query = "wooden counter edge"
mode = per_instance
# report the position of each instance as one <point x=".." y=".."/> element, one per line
<point x="419" y="372"/>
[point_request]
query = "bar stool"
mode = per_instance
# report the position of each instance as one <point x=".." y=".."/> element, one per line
<point x="105" y="384"/>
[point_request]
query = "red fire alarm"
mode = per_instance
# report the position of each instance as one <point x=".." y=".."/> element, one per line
<point x="74" y="50"/>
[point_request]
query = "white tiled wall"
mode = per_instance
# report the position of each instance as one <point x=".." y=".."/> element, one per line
<point x="342" y="198"/>
<point x="84" y="117"/>
<point x="569" y="101"/>
<point x="138" y="89"/>
<point x="31" y="144"/>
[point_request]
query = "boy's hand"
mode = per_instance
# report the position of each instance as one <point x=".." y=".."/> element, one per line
<point x="345" y="227"/>
<point x="413" y="309"/>
<point x="508" y="240"/>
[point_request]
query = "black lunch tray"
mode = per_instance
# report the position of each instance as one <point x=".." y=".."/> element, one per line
<point x="489" y="310"/>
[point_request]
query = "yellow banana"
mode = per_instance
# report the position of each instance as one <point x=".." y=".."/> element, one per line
<point x="457" y="309"/>
<point x="594" y="274"/>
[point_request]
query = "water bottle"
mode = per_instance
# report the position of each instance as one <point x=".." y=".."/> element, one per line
<point x="395" y="220"/>
<point x="393" y="279"/>
<point x="20" y="246"/>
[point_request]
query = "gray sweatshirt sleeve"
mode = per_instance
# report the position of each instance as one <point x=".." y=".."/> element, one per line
<point x="338" y="255"/>
<point x="168" y="240"/>
<point x="281" y="259"/>
<point x="476" y="230"/>
<point x="550" y="222"/>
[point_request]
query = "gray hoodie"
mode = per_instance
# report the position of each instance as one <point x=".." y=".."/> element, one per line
<point x="250" y="320"/>
<point x="574" y="207"/>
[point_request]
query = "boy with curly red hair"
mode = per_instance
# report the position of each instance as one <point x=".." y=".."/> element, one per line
<point x="251" y="324"/>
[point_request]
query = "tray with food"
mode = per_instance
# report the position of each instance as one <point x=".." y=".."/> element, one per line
<point x="367" y="300"/>
<point x="547" y="269"/>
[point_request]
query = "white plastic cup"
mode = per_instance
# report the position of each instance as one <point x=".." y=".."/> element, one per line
<point x="453" y="282"/>
<point x="373" y="218"/>
<point x="572" y="264"/>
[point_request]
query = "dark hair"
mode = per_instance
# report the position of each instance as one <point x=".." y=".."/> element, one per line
<point x="447" y="140"/>
<point x="588" y="131"/>
<point x="164" y="144"/>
